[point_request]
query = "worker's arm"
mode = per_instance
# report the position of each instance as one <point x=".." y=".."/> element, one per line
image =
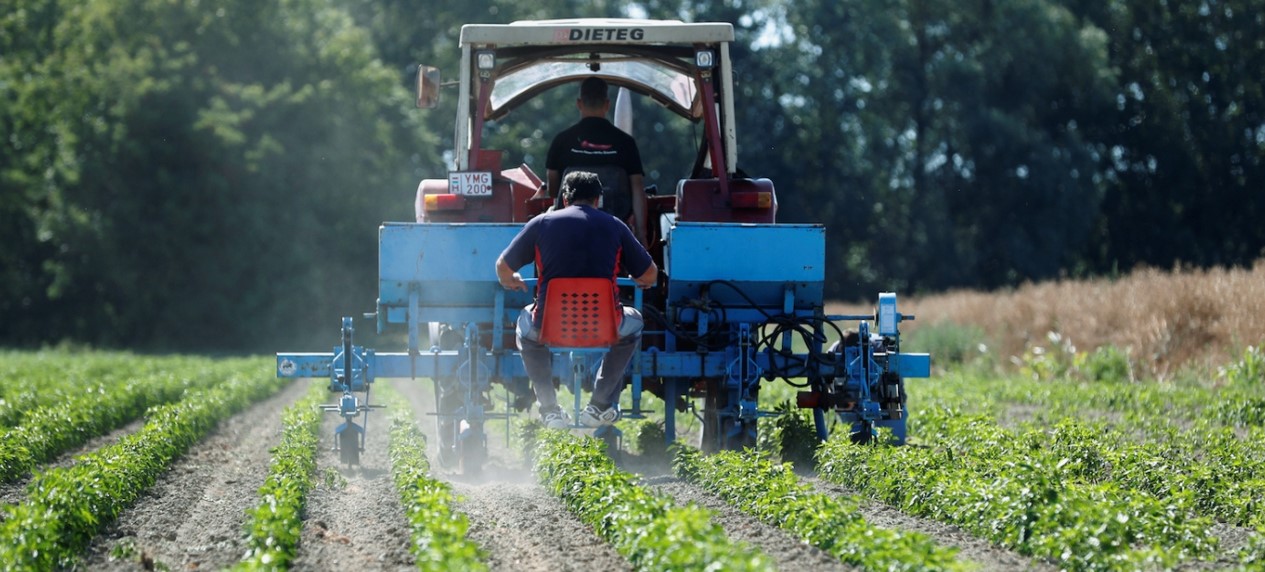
<point x="648" y="278"/>
<point x="553" y="181"/>
<point x="636" y="185"/>
<point x="509" y="279"/>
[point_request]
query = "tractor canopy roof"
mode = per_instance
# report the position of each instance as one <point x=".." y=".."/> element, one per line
<point x="657" y="58"/>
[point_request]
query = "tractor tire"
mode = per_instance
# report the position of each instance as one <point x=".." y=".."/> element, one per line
<point x="473" y="453"/>
<point x="349" y="447"/>
<point x="716" y="430"/>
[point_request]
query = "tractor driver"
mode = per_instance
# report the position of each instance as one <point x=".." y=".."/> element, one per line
<point x="596" y="144"/>
<point x="576" y="241"/>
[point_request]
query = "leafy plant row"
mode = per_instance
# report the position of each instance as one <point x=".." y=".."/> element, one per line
<point x="29" y="380"/>
<point x="98" y="408"/>
<point x="771" y="492"/>
<point x="644" y="526"/>
<point x="1212" y="470"/>
<point x="438" y="532"/>
<point x="1236" y="397"/>
<point x="1024" y="503"/>
<point x="65" y="507"/>
<point x="275" y="524"/>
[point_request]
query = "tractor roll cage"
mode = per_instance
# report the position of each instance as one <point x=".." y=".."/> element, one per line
<point x="665" y="74"/>
<point x="632" y="53"/>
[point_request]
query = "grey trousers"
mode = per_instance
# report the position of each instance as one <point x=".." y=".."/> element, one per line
<point x="538" y="360"/>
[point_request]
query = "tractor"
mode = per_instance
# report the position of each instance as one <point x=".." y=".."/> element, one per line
<point x="740" y="301"/>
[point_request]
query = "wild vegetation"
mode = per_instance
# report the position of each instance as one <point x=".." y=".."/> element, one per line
<point x="1145" y="325"/>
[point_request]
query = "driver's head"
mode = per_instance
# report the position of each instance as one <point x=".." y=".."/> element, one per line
<point x="593" y="93"/>
<point x="581" y="187"/>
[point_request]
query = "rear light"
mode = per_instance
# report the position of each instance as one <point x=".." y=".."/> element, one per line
<point x="444" y="202"/>
<point x="751" y="199"/>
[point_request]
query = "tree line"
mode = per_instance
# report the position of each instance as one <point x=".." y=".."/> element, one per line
<point x="210" y="176"/>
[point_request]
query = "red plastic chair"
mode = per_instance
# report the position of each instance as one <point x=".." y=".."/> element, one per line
<point x="581" y="316"/>
<point x="580" y="313"/>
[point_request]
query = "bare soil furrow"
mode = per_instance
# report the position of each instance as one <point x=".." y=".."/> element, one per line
<point x="520" y="525"/>
<point x="192" y="518"/>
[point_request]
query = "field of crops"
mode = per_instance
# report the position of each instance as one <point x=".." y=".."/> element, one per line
<point x="121" y="462"/>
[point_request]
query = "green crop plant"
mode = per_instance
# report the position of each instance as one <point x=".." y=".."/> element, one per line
<point x="438" y="532"/>
<point x="791" y="435"/>
<point x="1172" y="467"/>
<point x="275" y="524"/>
<point x="1022" y="500"/>
<point x="65" y="507"/>
<point x="99" y="407"/>
<point x="649" y="439"/>
<point x="644" y="526"/>
<point x="771" y="492"/>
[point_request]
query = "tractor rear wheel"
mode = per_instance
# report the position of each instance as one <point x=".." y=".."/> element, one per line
<point x="349" y="447"/>
<point x="718" y="430"/>
<point x="473" y="453"/>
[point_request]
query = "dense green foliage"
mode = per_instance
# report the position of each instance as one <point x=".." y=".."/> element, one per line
<point x="1091" y="473"/>
<point x="64" y="507"/>
<point x="210" y="175"/>
<point x="180" y="175"/>
<point x="276" y="523"/>
<point x="643" y="526"/>
<point x="93" y="407"/>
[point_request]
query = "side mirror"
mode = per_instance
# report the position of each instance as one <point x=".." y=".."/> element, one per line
<point x="427" y="87"/>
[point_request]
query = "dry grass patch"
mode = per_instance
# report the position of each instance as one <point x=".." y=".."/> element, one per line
<point x="1165" y="321"/>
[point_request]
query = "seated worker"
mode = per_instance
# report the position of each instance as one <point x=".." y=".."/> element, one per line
<point x="595" y="142"/>
<point x="576" y="241"/>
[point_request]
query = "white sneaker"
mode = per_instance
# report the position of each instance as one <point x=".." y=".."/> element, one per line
<point x="594" y="417"/>
<point x="556" y="420"/>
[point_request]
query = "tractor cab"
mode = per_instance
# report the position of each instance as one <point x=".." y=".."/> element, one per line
<point x="683" y="67"/>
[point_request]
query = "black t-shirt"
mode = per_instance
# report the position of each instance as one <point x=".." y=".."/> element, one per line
<point x="596" y="142"/>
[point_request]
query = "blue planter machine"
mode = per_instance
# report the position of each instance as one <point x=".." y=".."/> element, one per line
<point x="740" y="305"/>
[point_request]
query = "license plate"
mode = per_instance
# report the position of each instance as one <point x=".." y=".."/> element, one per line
<point x="470" y="183"/>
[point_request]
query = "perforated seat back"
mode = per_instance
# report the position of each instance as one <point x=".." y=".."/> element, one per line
<point x="580" y="313"/>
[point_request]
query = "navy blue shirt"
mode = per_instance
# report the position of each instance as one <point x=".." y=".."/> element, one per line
<point x="577" y="241"/>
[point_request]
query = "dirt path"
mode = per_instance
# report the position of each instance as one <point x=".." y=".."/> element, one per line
<point x="193" y="516"/>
